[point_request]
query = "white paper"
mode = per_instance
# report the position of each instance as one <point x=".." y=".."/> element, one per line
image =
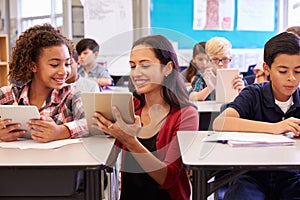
<point x="256" y="15"/>
<point x="246" y="137"/>
<point x="32" y="144"/>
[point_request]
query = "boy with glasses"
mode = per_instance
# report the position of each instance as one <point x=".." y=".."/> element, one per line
<point x="219" y="51"/>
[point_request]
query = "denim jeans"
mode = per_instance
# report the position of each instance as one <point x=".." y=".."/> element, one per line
<point x="265" y="185"/>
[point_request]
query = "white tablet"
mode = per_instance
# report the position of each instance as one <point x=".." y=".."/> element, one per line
<point x="20" y="114"/>
<point x="102" y="102"/>
<point x="224" y="90"/>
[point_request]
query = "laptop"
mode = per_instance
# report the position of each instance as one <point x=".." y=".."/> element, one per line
<point x="224" y="91"/>
<point x="103" y="102"/>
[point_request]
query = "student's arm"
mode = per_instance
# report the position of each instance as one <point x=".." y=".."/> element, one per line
<point x="199" y="96"/>
<point x="104" y="81"/>
<point x="230" y="120"/>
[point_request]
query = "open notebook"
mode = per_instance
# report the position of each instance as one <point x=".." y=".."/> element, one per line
<point x="243" y="139"/>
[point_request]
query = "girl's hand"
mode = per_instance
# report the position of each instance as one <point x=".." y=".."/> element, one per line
<point x="288" y="125"/>
<point x="210" y="79"/>
<point x="9" y="132"/>
<point x="46" y="130"/>
<point x="238" y="83"/>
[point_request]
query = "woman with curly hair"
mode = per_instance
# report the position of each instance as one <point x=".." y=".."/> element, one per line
<point x="40" y="64"/>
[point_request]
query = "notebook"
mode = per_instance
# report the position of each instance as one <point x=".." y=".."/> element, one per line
<point x="20" y="114"/>
<point x="244" y="139"/>
<point x="103" y="102"/>
<point x="224" y="91"/>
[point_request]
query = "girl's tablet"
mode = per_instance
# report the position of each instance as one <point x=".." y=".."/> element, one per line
<point x="20" y="114"/>
<point x="103" y="102"/>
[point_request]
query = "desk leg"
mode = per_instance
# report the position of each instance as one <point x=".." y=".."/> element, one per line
<point x="92" y="184"/>
<point x="199" y="185"/>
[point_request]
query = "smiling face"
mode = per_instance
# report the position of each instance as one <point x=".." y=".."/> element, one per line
<point x="146" y="73"/>
<point x="285" y="75"/>
<point x="52" y="67"/>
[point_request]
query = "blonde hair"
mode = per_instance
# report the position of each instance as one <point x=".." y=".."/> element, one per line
<point x="217" y="46"/>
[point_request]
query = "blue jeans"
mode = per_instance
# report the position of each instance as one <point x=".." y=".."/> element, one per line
<point x="265" y="185"/>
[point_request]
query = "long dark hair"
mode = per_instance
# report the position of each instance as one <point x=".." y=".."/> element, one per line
<point x="192" y="69"/>
<point x="174" y="90"/>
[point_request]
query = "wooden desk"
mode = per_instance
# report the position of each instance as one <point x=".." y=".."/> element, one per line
<point x="21" y="170"/>
<point x="208" y="111"/>
<point x="208" y="158"/>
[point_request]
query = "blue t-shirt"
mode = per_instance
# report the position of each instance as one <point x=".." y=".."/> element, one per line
<point x="257" y="102"/>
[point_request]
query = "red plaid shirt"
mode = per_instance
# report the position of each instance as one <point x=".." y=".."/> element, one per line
<point x="64" y="106"/>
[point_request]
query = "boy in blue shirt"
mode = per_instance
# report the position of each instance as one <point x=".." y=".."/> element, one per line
<point x="272" y="107"/>
<point x="88" y="50"/>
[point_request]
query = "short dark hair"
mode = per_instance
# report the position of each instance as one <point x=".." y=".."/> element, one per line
<point x="283" y="43"/>
<point x="87" y="43"/>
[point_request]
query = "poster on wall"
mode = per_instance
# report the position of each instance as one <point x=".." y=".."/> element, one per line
<point x="256" y="15"/>
<point x="213" y="15"/>
<point x="109" y="22"/>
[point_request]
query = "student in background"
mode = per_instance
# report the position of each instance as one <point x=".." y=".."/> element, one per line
<point x="219" y="51"/>
<point x="88" y="50"/>
<point x="294" y="29"/>
<point x="197" y="64"/>
<point x="83" y="84"/>
<point x="40" y="64"/>
<point x="151" y="162"/>
<point x="271" y="107"/>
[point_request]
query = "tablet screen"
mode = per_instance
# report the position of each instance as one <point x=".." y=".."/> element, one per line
<point x="20" y="114"/>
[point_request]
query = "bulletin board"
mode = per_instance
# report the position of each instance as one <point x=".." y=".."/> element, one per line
<point x="174" y="19"/>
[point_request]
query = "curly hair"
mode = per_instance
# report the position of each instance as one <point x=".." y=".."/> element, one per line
<point x="28" y="49"/>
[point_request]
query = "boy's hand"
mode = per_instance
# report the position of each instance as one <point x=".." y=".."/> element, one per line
<point x="238" y="83"/>
<point x="288" y="125"/>
<point x="210" y="79"/>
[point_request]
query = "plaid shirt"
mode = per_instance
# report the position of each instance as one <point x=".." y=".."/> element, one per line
<point x="199" y="84"/>
<point x="64" y="106"/>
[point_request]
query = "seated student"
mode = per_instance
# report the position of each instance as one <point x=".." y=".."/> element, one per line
<point x="40" y="64"/>
<point x="294" y="29"/>
<point x="197" y="64"/>
<point x="81" y="83"/>
<point x="272" y="107"/>
<point x="151" y="162"/>
<point x="88" y="50"/>
<point x="219" y="51"/>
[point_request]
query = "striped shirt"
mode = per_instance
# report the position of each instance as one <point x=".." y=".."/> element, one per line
<point x="64" y="106"/>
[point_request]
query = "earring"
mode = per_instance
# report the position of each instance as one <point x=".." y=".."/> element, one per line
<point x="166" y="75"/>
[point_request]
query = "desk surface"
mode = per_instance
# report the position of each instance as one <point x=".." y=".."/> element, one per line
<point x="196" y="153"/>
<point x="93" y="151"/>
<point x="208" y="106"/>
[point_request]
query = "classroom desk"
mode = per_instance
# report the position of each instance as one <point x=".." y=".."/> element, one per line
<point x="205" y="159"/>
<point x="90" y="155"/>
<point x="208" y="111"/>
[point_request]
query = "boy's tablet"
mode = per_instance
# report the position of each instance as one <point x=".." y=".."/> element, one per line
<point x="224" y="90"/>
<point x="20" y="114"/>
<point x="103" y="102"/>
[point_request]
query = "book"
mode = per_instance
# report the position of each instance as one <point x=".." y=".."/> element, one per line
<point x="246" y="139"/>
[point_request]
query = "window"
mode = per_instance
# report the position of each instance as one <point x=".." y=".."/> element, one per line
<point x="47" y="11"/>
